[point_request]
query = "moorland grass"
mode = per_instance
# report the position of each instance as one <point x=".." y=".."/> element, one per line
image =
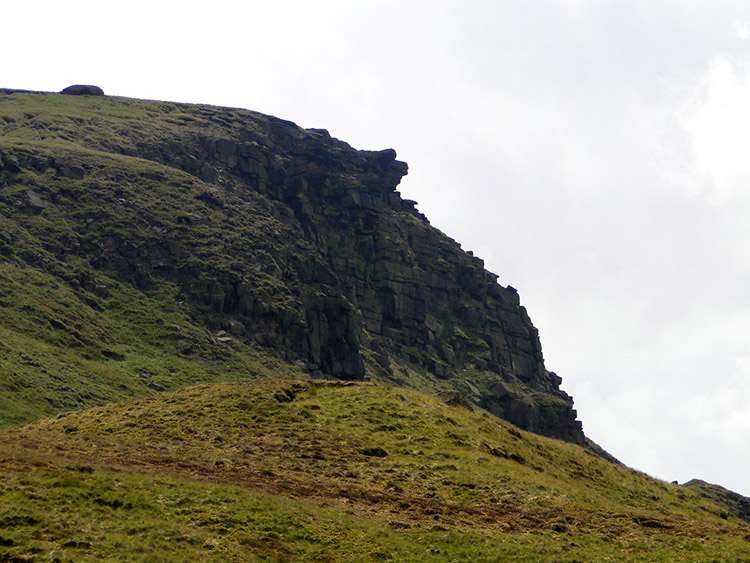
<point x="285" y="470"/>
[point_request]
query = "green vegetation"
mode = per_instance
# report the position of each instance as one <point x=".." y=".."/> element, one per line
<point x="63" y="349"/>
<point x="177" y="243"/>
<point x="283" y="470"/>
<point x="139" y="257"/>
<point x="95" y="249"/>
<point x="733" y="503"/>
<point x="108" y="123"/>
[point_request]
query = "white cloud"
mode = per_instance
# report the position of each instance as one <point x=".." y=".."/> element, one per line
<point x="722" y="414"/>
<point x="741" y="29"/>
<point x="717" y="120"/>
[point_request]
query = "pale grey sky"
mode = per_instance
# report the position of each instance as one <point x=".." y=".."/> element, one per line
<point x="593" y="152"/>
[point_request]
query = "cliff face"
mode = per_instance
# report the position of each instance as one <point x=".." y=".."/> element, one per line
<point x="275" y="236"/>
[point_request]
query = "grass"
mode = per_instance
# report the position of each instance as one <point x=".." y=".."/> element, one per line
<point x="58" y="352"/>
<point x="135" y="264"/>
<point x="111" y="124"/>
<point x="282" y="470"/>
<point x="113" y="275"/>
<point x="105" y="284"/>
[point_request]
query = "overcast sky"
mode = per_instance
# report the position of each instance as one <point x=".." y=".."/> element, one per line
<point x="593" y="152"/>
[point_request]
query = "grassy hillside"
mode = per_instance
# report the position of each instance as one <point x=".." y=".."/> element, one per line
<point x="283" y="470"/>
<point x="84" y="321"/>
<point x="62" y="349"/>
<point x="147" y="245"/>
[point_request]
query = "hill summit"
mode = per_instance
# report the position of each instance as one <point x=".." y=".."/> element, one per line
<point x="145" y="238"/>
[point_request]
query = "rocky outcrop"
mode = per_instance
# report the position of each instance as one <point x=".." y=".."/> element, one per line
<point x="295" y="241"/>
<point x="83" y="90"/>
<point x="732" y="503"/>
<point x="416" y="297"/>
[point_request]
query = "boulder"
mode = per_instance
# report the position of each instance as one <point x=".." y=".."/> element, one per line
<point x="11" y="163"/>
<point x="83" y="90"/>
<point x="71" y="170"/>
<point x="36" y="200"/>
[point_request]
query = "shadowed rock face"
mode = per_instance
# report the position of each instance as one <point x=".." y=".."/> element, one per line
<point x="336" y="271"/>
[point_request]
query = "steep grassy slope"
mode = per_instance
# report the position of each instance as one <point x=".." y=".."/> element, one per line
<point x="282" y="470"/>
<point x="62" y="348"/>
<point x="148" y="244"/>
<point x="83" y="322"/>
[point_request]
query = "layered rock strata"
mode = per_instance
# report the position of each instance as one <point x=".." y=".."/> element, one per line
<point x="331" y="266"/>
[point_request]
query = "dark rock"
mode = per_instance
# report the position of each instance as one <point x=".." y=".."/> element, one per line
<point x="455" y="399"/>
<point x="502" y="452"/>
<point x="83" y="90"/>
<point x="294" y="240"/>
<point x="385" y="156"/>
<point x="236" y="327"/>
<point x="68" y="169"/>
<point x="209" y="174"/>
<point x="400" y="167"/>
<point x="373" y="452"/>
<point x="36" y="200"/>
<point x="10" y="162"/>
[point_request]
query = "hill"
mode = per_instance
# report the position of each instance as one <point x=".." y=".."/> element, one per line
<point x="285" y="470"/>
<point x="146" y="245"/>
<point x="219" y="328"/>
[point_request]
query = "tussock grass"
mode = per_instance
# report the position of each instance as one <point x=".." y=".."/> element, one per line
<point x="287" y="470"/>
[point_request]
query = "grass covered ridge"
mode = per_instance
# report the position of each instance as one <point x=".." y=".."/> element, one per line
<point x="282" y="470"/>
